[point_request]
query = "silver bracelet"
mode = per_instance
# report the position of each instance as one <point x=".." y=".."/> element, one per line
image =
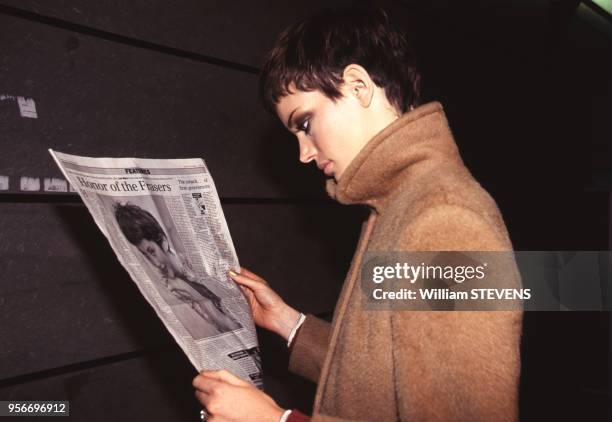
<point x="285" y="416"/>
<point x="297" y="325"/>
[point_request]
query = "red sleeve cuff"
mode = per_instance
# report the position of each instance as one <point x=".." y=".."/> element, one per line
<point x="297" y="416"/>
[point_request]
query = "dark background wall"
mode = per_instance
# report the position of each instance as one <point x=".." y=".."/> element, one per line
<point x="526" y="86"/>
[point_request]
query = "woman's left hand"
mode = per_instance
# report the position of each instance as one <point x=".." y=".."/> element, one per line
<point x="228" y="398"/>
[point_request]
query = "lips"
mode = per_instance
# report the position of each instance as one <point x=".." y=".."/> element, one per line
<point x="327" y="167"/>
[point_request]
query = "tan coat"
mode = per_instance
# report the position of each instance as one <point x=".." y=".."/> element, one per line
<point x="413" y="366"/>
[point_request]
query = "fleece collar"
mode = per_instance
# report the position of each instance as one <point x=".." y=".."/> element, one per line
<point x="411" y="146"/>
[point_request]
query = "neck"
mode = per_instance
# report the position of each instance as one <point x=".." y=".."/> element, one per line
<point x="383" y="113"/>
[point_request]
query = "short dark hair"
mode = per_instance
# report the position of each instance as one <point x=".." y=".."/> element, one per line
<point x="313" y="53"/>
<point x="138" y="224"/>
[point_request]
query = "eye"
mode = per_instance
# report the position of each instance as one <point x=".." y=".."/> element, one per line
<point x="304" y="126"/>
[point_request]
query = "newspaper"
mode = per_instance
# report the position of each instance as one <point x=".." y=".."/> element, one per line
<point x="163" y="219"/>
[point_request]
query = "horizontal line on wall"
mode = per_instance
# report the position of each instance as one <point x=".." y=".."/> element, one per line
<point x="122" y="39"/>
<point x="73" y="198"/>
<point x="275" y="200"/>
<point x="73" y="367"/>
<point x="51" y="198"/>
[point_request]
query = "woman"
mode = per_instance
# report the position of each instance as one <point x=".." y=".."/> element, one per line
<point x="143" y="231"/>
<point x="345" y="84"/>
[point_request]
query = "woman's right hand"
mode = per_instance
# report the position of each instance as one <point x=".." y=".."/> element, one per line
<point x="269" y="309"/>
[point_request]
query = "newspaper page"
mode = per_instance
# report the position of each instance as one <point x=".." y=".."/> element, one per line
<point x="163" y="219"/>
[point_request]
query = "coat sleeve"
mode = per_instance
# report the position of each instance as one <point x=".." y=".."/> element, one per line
<point x="310" y="347"/>
<point x="461" y="365"/>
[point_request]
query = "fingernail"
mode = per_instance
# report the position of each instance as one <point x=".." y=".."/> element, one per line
<point x="232" y="273"/>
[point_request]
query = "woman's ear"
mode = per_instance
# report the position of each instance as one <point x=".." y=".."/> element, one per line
<point x="358" y="84"/>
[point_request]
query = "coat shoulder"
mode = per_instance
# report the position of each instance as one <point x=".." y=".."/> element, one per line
<point x="451" y="211"/>
<point x="451" y="228"/>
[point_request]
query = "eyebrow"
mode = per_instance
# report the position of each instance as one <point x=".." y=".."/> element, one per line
<point x="289" y="122"/>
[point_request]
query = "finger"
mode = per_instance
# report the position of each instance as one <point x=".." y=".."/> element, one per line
<point x="245" y="271"/>
<point x="205" y="384"/>
<point x="248" y="292"/>
<point x="224" y="376"/>
<point x="203" y="398"/>
<point x="249" y="282"/>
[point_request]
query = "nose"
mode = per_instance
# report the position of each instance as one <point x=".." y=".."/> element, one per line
<point x="153" y="260"/>
<point x="307" y="150"/>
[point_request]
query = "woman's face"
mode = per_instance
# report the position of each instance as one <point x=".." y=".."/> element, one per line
<point x="157" y="256"/>
<point x="331" y="133"/>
